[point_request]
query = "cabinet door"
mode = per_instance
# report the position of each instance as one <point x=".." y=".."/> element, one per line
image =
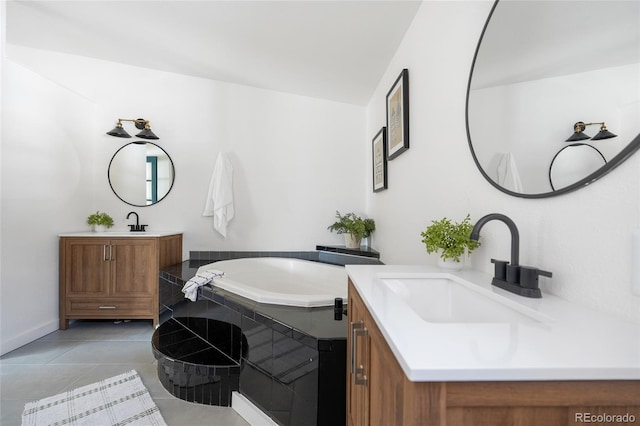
<point x="87" y="267"/>
<point x="134" y="264"/>
<point x="358" y="358"/>
<point x="385" y="384"/>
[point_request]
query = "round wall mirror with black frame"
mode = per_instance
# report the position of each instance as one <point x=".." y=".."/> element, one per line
<point x="141" y="173"/>
<point x="572" y="163"/>
<point x="539" y="68"/>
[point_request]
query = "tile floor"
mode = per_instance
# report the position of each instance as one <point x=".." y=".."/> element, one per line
<point x="85" y="353"/>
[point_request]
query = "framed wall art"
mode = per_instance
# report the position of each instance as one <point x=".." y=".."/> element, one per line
<point x="379" y="155"/>
<point x="398" y="116"/>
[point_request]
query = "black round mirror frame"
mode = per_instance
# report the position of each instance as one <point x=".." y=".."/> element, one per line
<point x="625" y="153"/>
<point x="173" y="173"/>
<point x="571" y="146"/>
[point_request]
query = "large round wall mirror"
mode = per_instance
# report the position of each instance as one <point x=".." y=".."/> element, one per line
<point x="141" y="173"/>
<point x="539" y="68"/>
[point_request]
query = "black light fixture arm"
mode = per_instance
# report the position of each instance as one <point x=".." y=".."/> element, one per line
<point x="580" y="126"/>
<point x="140" y="123"/>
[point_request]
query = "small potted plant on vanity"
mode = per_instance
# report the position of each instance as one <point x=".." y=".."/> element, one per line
<point x="354" y="228"/>
<point x="450" y="240"/>
<point x="100" y="221"/>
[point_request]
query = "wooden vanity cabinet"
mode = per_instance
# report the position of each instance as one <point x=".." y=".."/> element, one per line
<point x="379" y="393"/>
<point x="104" y="278"/>
<point x="385" y="397"/>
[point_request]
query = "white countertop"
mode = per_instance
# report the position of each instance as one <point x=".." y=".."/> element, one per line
<point x="119" y="234"/>
<point x="577" y="343"/>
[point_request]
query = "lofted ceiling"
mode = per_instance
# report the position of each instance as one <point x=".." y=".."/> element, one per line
<point x="335" y="50"/>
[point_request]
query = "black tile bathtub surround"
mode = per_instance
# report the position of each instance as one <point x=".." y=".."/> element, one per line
<point x="297" y="379"/>
<point x="214" y="256"/>
<point x="199" y="359"/>
<point x="336" y="255"/>
<point x="295" y="365"/>
<point x="361" y="252"/>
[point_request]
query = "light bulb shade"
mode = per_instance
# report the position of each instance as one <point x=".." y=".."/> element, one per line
<point x="577" y="136"/>
<point x="119" y="132"/>
<point x="147" y="134"/>
<point x="603" y="134"/>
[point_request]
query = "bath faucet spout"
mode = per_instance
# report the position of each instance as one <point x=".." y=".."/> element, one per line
<point x="137" y="218"/>
<point x="515" y="236"/>
<point x="137" y="227"/>
<point x="510" y="276"/>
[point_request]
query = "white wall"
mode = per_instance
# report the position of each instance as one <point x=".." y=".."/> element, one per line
<point x="46" y="187"/>
<point x="296" y="160"/>
<point x="584" y="237"/>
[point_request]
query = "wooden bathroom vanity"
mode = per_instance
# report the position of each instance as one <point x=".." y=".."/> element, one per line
<point x="379" y="391"/>
<point x="113" y="275"/>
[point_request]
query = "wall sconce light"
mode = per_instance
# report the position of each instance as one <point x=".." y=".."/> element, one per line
<point x="140" y="123"/>
<point x="579" y="127"/>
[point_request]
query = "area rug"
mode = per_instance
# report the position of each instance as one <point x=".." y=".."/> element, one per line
<point x="119" y="400"/>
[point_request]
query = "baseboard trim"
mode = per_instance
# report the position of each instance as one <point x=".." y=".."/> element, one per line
<point x="248" y="411"/>
<point x="28" y="336"/>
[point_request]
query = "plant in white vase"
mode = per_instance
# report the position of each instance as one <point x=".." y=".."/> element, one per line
<point x="99" y="221"/>
<point x="451" y="240"/>
<point x="354" y="227"/>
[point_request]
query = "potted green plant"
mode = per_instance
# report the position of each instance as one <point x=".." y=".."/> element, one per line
<point x="100" y="221"/>
<point x="450" y="239"/>
<point x="354" y="228"/>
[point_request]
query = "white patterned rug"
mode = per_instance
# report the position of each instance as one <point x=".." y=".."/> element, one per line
<point x="120" y="400"/>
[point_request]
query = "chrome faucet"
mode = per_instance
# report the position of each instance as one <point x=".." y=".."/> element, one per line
<point x="511" y="276"/>
<point x="137" y="227"/>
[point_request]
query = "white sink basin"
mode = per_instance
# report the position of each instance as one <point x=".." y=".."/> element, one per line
<point x="445" y="298"/>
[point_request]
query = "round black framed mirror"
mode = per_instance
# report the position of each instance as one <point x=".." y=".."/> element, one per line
<point x="141" y="173"/>
<point x="540" y="67"/>
<point x="572" y="163"/>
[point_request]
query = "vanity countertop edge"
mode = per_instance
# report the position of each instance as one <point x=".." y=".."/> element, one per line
<point x="120" y="234"/>
<point x="579" y="344"/>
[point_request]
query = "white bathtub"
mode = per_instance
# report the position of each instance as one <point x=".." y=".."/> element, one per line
<point x="282" y="281"/>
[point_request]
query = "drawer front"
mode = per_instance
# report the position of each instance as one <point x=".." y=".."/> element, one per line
<point x="109" y="307"/>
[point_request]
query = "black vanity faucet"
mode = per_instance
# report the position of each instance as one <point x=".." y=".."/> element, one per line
<point x="510" y="276"/>
<point x="515" y="235"/>
<point x="137" y="227"/>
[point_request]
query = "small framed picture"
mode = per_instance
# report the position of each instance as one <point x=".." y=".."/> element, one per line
<point x="379" y="155"/>
<point x="398" y="116"/>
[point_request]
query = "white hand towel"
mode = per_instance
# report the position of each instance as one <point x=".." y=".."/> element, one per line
<point x="190" y="288"/>
<point x="219" y="203"/>
<point x="507" y="172"/>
